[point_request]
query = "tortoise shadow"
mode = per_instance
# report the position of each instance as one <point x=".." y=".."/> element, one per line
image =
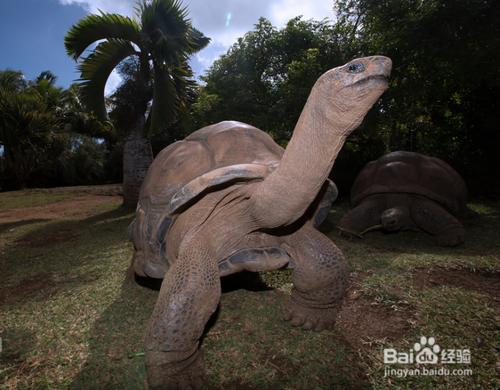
<point x="53" y="240"/>
<point x="250" y="281"/>
<point x="14" y="225"/>
<point x="116" y="358"/>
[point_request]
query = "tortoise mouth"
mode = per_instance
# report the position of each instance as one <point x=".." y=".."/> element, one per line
<point x="375" y="79"/>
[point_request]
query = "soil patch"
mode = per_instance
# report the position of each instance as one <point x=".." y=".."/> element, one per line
<point x="485" y="283"/>
<point x="362" y="320"/>
<point x="40" y="287"/>
<point x="81" y="206"/>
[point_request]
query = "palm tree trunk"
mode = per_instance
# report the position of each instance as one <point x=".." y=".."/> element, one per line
<point x="137" y="157"/>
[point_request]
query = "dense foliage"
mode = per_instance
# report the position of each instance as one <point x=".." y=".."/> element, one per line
<point x="266" y="76"/>
<point x="445" y="85"/>
<point x="47" y="138"/>
<point x="442" y="101"/>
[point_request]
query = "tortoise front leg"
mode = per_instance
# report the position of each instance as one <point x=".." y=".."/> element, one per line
<point x="434" y="219"/>
<point x="364" y="216"/>
<point x="188" y="297"/>
<point x="319" y="278"/>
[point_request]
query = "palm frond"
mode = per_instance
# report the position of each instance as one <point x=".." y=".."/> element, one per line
<point x="197" y="40"/>
<point x="96" y="27"/>
<point x="12" y="80"/>
<point x="151" y="12"/>
<point x="184" y="84"/>
<point x="96" y="68"/>
<point x="166" y="24"/>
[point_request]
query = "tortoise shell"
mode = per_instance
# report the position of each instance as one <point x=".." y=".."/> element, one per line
<point x="211" y="157"/>
<point x="217" y="154"/>
<point x="412" y="173"/>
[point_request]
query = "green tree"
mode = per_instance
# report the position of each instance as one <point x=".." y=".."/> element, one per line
<point x="162" y="38"/>
<point x="265" y="77"/>
<point x="30" y="125"/>
<point x="445" y="84"/>
<point x="78" y="119"/>
<point x="43" y="128"/>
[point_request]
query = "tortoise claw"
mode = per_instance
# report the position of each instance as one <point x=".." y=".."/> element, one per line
<point x="310" y="318"/>
<point x="177" y="376"/>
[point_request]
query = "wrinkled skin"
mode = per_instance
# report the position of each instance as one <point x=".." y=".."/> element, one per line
<point x="211" y="206"/>
<point x="408" y="191"/>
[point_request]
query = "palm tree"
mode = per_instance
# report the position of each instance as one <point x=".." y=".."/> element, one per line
<point x="161" y="39"/>
<point x="30" y="123"/>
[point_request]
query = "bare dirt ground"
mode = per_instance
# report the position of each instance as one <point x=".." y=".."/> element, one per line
<point x="362" y="319"/>
<point x="487" y="283"/>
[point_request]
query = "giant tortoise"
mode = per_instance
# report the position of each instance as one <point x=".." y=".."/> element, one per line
<point x="407" y="190"/>
<point x="227" y="199"/>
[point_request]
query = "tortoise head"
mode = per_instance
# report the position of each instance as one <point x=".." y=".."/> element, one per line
<point x="391" y="219"/>
<point x="352" y="89"/>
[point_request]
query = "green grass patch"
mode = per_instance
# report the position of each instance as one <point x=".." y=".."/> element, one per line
<point x="29" y="198"/>
<point x="68" y="320"/>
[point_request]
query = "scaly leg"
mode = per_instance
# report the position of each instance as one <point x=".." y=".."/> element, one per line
<point x="434" y="219"/>
<point x="188" y="297"/>
<point x="319" y="278"/>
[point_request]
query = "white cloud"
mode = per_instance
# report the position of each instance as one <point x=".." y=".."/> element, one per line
<point x="281" y="11"/>
<point x="113" y="81"/>
<point x="211" y="17"/>
<point x="124" y="7"/>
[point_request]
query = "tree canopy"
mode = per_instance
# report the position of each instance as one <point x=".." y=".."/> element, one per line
<point x="445" y="85"/>
<point x="43" y="130"/>
<point x="265" y="77"/>
<point x="443" y="94"/>
<point x="442" y="101"/>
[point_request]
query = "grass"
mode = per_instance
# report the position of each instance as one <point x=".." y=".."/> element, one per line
<point x="67" y="319"/>
<point x="29" y="198"/>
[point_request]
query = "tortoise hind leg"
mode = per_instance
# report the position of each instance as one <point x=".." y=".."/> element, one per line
<point x="434" y="219"/>
<point x="188" y="297"/>
<point x="319" y="279"/>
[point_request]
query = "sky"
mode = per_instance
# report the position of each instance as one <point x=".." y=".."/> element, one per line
<point x="32" y="31"/>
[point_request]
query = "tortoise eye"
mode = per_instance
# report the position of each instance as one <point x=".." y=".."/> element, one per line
<point x="356" y="67"/>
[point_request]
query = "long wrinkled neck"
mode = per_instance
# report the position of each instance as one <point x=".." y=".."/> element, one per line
<point x="320" y="133"/>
